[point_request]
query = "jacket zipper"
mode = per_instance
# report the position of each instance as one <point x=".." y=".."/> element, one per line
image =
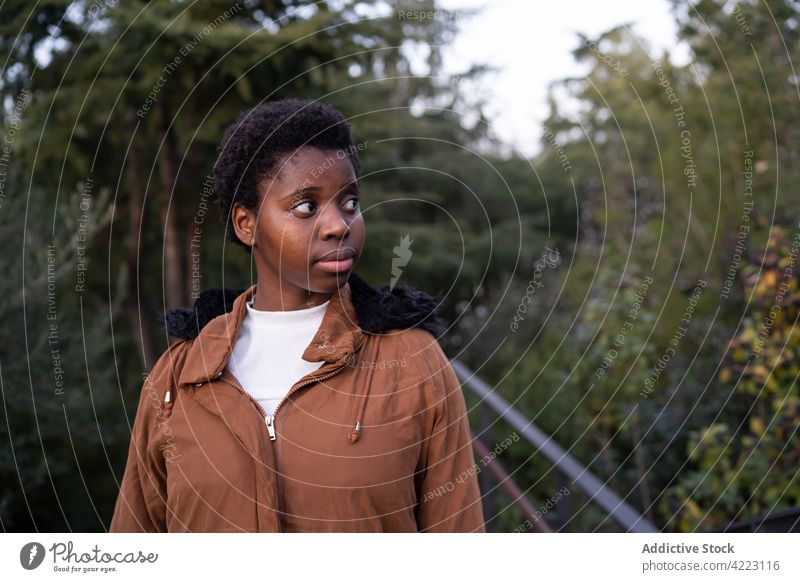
<point x="246" y="393"/>
<point x="270" y="418"/>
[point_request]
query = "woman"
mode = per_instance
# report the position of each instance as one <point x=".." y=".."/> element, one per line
<point x="310" y="401"/>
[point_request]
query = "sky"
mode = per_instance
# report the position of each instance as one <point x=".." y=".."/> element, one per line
<point x="532" y="42"/>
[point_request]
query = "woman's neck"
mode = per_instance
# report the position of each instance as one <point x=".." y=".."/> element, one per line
<point x="286" y="297"/>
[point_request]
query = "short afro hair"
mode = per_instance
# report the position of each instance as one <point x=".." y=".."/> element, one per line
<point x="252" y="147"/>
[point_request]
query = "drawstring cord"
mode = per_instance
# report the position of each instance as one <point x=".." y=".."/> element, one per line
<point x="356" y="432"/>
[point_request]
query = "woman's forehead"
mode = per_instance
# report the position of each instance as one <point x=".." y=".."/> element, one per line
<point x="311" y="166"/>
<point x="309" y="175"/>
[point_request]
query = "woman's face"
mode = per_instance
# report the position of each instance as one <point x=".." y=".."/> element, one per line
<point x="309" y="217"/>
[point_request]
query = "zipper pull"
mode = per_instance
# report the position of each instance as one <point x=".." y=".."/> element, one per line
<point x="270" y="418"/>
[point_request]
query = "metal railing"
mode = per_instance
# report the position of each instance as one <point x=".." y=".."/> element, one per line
<point x="783" y="521"/>
<point x="566" y="465"/>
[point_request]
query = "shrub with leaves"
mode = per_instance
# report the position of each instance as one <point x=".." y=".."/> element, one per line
<point x="752" y="469"/>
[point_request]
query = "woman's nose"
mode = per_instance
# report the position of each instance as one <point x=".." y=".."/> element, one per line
<point x="333" y="224"/>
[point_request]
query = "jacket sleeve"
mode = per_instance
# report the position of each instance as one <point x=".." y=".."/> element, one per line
<point x="142" y="499"/>
<point x="448" y="496"/>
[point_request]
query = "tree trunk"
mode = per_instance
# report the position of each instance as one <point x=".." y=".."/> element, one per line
<point x="175" y="285"/>
<point x="193" y="266"/>
<point x="142" y="326"/>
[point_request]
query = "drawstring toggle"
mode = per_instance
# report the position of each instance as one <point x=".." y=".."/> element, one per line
<point x="355" y="432"/>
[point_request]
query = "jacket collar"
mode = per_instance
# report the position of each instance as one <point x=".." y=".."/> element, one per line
<point x="338" y="336"/>
<point x="356" y="309"/>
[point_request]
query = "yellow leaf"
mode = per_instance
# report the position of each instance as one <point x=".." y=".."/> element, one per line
<point x="694" y="509"/>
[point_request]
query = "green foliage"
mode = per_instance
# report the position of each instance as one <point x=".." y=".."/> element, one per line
<point x="751" y="468"/>
<point x="60" y="453"/>
<point x="673" y="174"/>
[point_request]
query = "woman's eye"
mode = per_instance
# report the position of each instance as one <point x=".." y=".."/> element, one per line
<point x="308" y="207"/>
<point x="305" y="204"/>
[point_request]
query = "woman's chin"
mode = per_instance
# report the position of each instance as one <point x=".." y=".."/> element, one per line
<point x="328" y="282"/>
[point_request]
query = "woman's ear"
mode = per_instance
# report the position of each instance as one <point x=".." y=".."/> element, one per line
<point x="244" y="224"/>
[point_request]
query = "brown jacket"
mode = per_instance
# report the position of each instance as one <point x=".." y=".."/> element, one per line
<point x="375" y="440"/>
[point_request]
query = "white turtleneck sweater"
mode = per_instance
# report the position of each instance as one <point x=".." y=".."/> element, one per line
<point x="267" y="356"/>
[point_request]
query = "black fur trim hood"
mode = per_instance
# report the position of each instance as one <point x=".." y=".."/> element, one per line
<point x="377" y="310"/>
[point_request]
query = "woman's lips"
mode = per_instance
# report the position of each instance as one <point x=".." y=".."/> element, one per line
<point x="336" y="266"/>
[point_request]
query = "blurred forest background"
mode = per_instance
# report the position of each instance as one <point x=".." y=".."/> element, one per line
<point x="679" y="394"/>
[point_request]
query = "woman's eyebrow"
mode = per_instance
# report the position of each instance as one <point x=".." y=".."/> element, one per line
<point x="308" y="189"/>
<point x="302" y="191"/>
